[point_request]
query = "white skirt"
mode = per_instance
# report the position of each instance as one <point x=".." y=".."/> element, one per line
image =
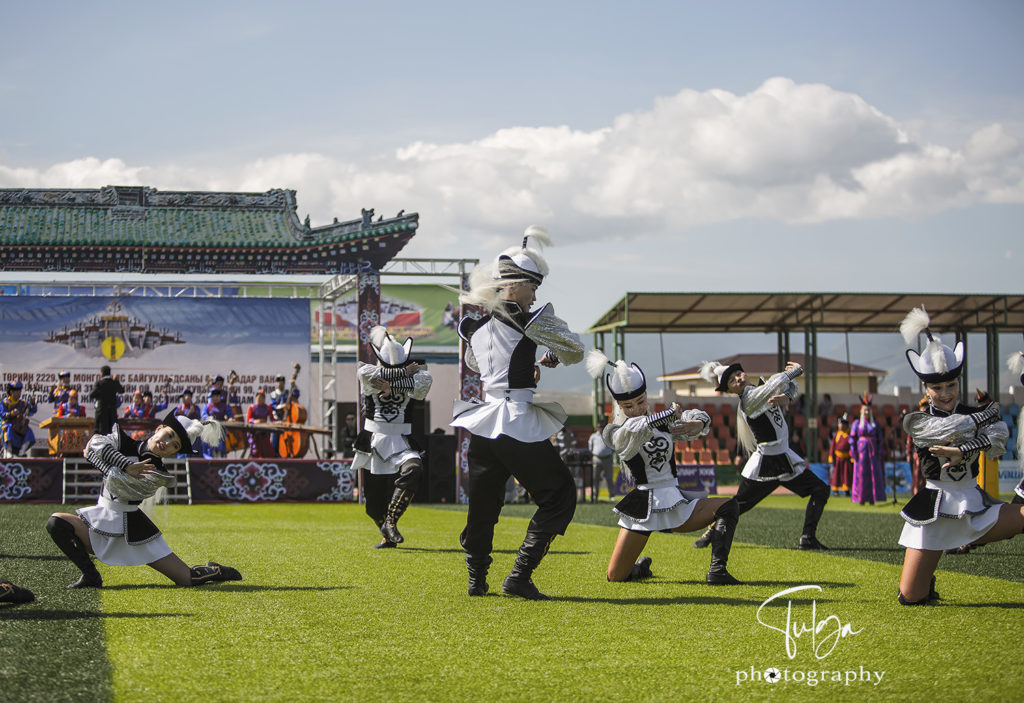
<point x="963" y="518"/>
<point x="106" y="536"/>
<point x="387" y="453"/>
<point x="513" y="415"/>
<point x="670" y="508"/>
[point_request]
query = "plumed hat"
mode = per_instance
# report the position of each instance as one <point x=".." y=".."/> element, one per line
<point x="1015" y="363"/>
<point x="387" y="349"/>
<point x="937" y="363"/>
<point x="524" y="263"/>
<point x="866" y="398"/>
<point x="624" y="381"/>
<point x="718" y="374"/>
<point x="189" y="430"/>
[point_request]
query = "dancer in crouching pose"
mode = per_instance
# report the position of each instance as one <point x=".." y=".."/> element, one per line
<point x="764" y="433"/>
<point x="114" y="529"/>
<point x="952" y="511"/>
<point x="509" y="431"/>
<point x="391" y="466"/>
<point x="645" y="442"/>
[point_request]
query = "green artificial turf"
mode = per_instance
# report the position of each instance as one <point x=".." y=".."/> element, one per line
<point x="321" y="616"/>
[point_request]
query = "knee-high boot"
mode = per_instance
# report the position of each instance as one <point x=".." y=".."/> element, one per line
<point x="815" y="507"/>
<point x="722" y="531"/>
<point x="477" y="566"/>
<point x="519" y="581"/>
<point x="63" y="535"/>
<point x="399" y="502"/>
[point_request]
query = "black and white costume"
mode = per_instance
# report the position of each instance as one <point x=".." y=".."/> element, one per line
<point x="390" y="461"/>
<point x="771" y="460"/>
<point x="646" y="446"/>
<point x="952" y="510"/>
<point x="1016" y="365"/>
<point x="120" y="533"/>
<point x="510" y="433"/>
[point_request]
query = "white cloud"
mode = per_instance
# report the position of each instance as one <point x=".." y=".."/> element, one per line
<point x="786" y="152"/>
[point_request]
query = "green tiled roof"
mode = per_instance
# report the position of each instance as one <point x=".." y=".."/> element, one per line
<point x="137" y="216"/>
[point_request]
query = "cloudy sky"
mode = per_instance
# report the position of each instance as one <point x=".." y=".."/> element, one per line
<point x="733" y="146"/>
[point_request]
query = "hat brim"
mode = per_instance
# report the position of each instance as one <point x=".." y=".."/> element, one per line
<point x="723" y="384"/>
<point x="171" y="420"/>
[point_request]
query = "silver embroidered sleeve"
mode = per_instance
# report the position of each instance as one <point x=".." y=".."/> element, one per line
<point x="627" y="439"/>
<point x="929" y="431"/>
<point x="366" y="373"/>
<point x="551" y="332"/>
<point x="998" y="435"/>
<point x="421" y="381"/>
<point x="692" y="415"/>
<point x="102" y="452"/>
<point x="124" y="486"/>
<point x="755" y="398"/>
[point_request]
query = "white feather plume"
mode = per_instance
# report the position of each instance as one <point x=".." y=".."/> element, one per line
<point x="916" y="322"/>
<point x="622" y="374"/>
<point x="212" y="433"/>
<point x="1015" y="362"/>
<point x="538" y="234"/>
<point x="709" y="371"/>
<point x="378" y="336"/>
<point x="597" y="363"/>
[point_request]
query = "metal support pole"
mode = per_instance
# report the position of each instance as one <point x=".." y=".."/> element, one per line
<point x="992" y="361"/>
<point x="811" y="429"/>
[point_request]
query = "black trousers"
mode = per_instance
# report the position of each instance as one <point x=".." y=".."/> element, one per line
<point x="105" y="419"/>
<point x="537" y="466"/>
<point x="379" y="488"/>
<point x="750" y="493"/>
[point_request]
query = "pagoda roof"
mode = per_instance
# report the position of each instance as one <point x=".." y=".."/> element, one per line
<point x="139" y="216"/>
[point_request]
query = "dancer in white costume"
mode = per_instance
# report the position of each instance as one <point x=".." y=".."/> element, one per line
<point x="390" y="463"/>
<point x="952" y="510"/>
<point x="1016" y="365"/>
<point x="645" y="442"/>
<point x="764" y="433"/>
<point x="115" y="529"/>
<point x="509" y="431"/>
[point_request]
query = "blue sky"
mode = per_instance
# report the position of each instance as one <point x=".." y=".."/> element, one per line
<point x="819" y="145"/>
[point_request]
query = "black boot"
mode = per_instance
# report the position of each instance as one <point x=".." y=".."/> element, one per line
<point x="9" y="593"/>
<point x="641" y="570"/>
<point x="384" y="543"/>
<point x="478" y="574"/>
<point x="815" y="507"/>
<point x="518" y="582"/>
<point x="722" y="531"/>
<point x="212" y="571"/>
<point x="399" y="502"/>
<point x="63" y="535"/>
<point x="705" y="539"/>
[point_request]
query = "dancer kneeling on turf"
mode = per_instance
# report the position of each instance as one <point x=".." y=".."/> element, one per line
<point x="390" y="464"/>
<point x="645" y="443"/>
<point x="952" y="511"/>
<point x="114" y="529"/>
